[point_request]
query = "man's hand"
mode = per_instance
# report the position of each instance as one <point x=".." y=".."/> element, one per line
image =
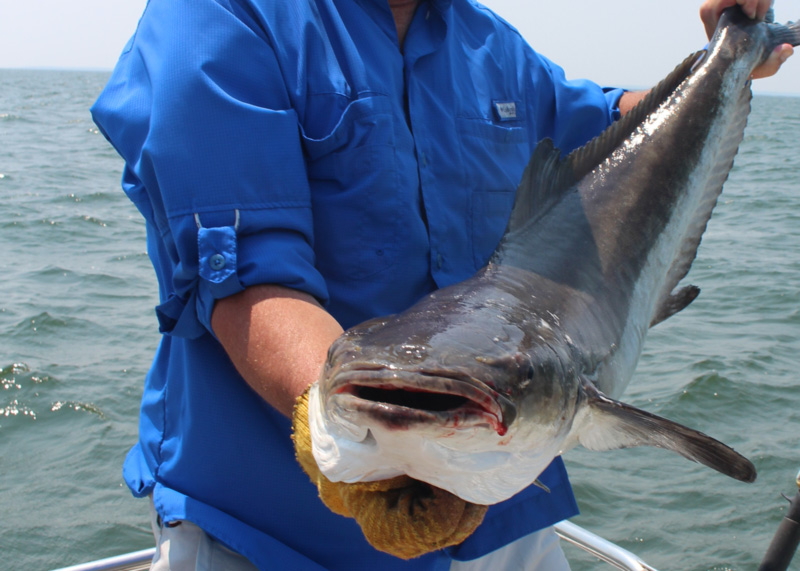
<point x="710" y="12"/>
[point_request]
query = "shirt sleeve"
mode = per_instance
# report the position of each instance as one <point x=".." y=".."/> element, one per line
<point x="569" y="112"/>
<point x="198" y="108"/>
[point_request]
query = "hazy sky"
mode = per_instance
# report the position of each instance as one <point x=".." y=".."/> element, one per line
<point x="629" y="43"/>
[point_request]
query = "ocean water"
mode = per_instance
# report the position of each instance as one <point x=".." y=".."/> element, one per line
<point x="77" y="333"/>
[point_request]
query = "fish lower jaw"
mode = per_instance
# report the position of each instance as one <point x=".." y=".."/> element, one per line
<point x="477" y="465"/>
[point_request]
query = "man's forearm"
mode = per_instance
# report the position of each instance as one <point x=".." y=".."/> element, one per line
<point x="629" y="100"/>
<point x="277" y="338"/>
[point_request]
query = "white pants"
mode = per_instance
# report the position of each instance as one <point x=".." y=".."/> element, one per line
<point x="182" y="546"/>
<point x="539" y="551"/>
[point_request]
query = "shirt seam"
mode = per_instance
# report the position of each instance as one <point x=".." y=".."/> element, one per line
<point x="223" y="207"/>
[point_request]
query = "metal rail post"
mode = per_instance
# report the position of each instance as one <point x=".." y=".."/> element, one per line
<point x="787" y="538"/>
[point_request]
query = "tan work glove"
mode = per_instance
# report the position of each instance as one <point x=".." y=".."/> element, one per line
<point x="400" y="516"/>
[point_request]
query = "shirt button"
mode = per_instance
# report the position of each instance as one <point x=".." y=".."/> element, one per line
<point x="217" y="262"/>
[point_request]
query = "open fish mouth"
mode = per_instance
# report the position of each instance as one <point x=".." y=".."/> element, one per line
<point x="400" y="400"/>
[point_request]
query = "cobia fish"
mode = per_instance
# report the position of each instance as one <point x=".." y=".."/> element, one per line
<point x="477" y="387"/>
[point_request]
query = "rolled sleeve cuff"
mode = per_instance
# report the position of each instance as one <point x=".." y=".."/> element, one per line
<point x="232" y="259"/>
<point x="613" y="95"/>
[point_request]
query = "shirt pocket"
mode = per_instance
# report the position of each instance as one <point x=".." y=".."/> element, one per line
<point x="353" y="176"/>
<point x="497" y="155"/>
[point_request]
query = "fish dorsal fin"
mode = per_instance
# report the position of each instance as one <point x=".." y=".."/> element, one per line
<point x="548" y="177"/>
<point x="606" y="424"/>
<point x="544" y="181"/>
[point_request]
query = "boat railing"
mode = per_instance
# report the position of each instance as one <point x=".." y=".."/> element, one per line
<point x="136" y="561"/>
<point x="601" y="548"/>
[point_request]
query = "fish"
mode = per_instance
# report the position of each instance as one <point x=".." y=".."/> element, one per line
<point x="477" y="387"/>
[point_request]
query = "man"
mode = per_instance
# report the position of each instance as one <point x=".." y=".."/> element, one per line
<point x="302" y="167"/>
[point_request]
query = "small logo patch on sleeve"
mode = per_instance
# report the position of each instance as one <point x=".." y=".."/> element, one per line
<point x="505" y="110"/>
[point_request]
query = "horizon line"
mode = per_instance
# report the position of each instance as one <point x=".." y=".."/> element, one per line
<point x="108" y="70"/>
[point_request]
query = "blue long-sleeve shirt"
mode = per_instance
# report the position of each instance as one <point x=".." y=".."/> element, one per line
<point x="293" y="143"/>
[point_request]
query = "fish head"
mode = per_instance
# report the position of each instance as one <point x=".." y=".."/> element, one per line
<point x="462" y="387"/>
<point x="413" y="381"/>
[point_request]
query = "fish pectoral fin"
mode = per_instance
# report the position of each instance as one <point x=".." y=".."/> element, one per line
<point x="675" y="302"/>
<point x="606" y="424"/>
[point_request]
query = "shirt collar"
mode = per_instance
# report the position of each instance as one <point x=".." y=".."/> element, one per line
<point x="439" y="5"/>
<point x="428" y="38"/>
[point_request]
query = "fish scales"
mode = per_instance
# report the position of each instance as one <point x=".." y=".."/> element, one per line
<point x="477" y="387"/>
